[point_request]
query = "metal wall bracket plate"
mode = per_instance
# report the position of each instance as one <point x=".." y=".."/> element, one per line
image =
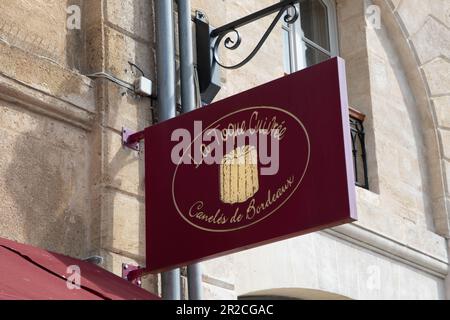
<point x="126" y="133"/>
<point x="209" y="72"/>
<point x="126" y="269"/>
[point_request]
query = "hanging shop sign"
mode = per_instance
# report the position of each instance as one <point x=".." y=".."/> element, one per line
<point x="265" y="165"/>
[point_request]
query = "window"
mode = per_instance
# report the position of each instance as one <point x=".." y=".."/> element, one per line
<point x="359" y="148"/>
<point x="312" y="38"/>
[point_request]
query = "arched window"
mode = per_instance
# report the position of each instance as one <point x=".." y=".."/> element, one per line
<point x="313" y="38"/>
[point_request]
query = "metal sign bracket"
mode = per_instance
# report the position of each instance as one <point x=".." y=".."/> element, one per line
<point x="126" y="270"/>
<point x="131" y="139"/>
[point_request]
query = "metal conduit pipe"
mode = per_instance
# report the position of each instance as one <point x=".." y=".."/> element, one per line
<point x="165" y="59"/>
<point x="186" y="56"/>
<point x="194" y="273"/>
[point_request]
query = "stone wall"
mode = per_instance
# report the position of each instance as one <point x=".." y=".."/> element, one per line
<point x="124" y="30"/>
<point x="40" y="27"/>
<point x="47" y="111"/>
<point x="67" y="184"/>
<point x="404" y="205"/>
<point x="425" y="30"/>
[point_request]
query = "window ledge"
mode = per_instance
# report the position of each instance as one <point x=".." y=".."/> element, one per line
<point x="356" y="114"/>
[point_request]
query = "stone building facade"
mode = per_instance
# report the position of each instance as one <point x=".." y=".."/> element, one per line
<point x="68" y="185"/>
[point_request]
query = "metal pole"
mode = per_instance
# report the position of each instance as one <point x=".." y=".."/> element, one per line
<point x="195" y="289"/>
<point x="165" y="56"/>
<point x="194" y="273"/>
<point x="186" y="56"/>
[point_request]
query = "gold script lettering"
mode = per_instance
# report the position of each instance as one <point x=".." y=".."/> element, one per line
<point x="253" y="210"/>
<point x="196" y="211"/>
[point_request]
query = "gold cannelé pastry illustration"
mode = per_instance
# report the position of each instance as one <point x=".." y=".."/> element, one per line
<point x="239" y="179"/>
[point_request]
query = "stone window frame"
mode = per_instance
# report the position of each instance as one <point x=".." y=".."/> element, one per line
<point x="293" y="39"/>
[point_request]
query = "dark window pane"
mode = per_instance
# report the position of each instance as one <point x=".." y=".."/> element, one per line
<point x="314" y="18"/>
<point x="359" y="153"/>
<point x="314" y="56"/>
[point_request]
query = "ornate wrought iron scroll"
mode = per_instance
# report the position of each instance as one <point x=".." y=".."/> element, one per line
<point x="230" y="38"/>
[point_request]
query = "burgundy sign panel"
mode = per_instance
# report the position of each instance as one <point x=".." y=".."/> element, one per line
<point x="288" y="171"/>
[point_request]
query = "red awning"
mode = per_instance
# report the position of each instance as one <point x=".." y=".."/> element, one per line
<point x="29" y="273"/>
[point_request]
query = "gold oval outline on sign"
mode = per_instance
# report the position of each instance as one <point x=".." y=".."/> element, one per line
<point x="274" y="210"/>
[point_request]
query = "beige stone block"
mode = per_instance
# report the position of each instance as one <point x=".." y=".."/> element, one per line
<point x="441" y="210"/>
<point x="352" y="37"/>
<point x="121" y="49"/>
<point x="123" y="168"/>
<point x="400" y="197"/>
<point x="220" y="271"/>
<point x="357" y="68"/>
<point x="94" y="48"/>
<point x="211" y="292"/>
<point x="389" y="153"/>
<point x="413" y="14"/>
<point x="442" y="110"/>
<point x="350" y="9"/>
<point x="367" y="197"/>
<point x="445" y="142"/>
<point x="417" y="289"/>
<point x="280" y="262"/>
<point x="133" y="16"/>
<point x="123" y="224"/>
<point x="47" y="77"/>
<point x="441" y="10"/>
<point x="378" y="74"/>
<point x="410" y="170"/>
<point x="327" y="263"/>
<point x="126" y="110"/>
<point x="26" y="123"/>
<point x="435" y="172"/>
<point x="216" y="17"/>
<point x="437" y="73"/>
<point x="377" y="42"/>
<point x="38" y="26"/>
<point x="44" y="191"/>
<point x="387" y="217"/>
<point x="93" y="13"/>
<point x="432" y="40"/>
<point x="447" y="176"/>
